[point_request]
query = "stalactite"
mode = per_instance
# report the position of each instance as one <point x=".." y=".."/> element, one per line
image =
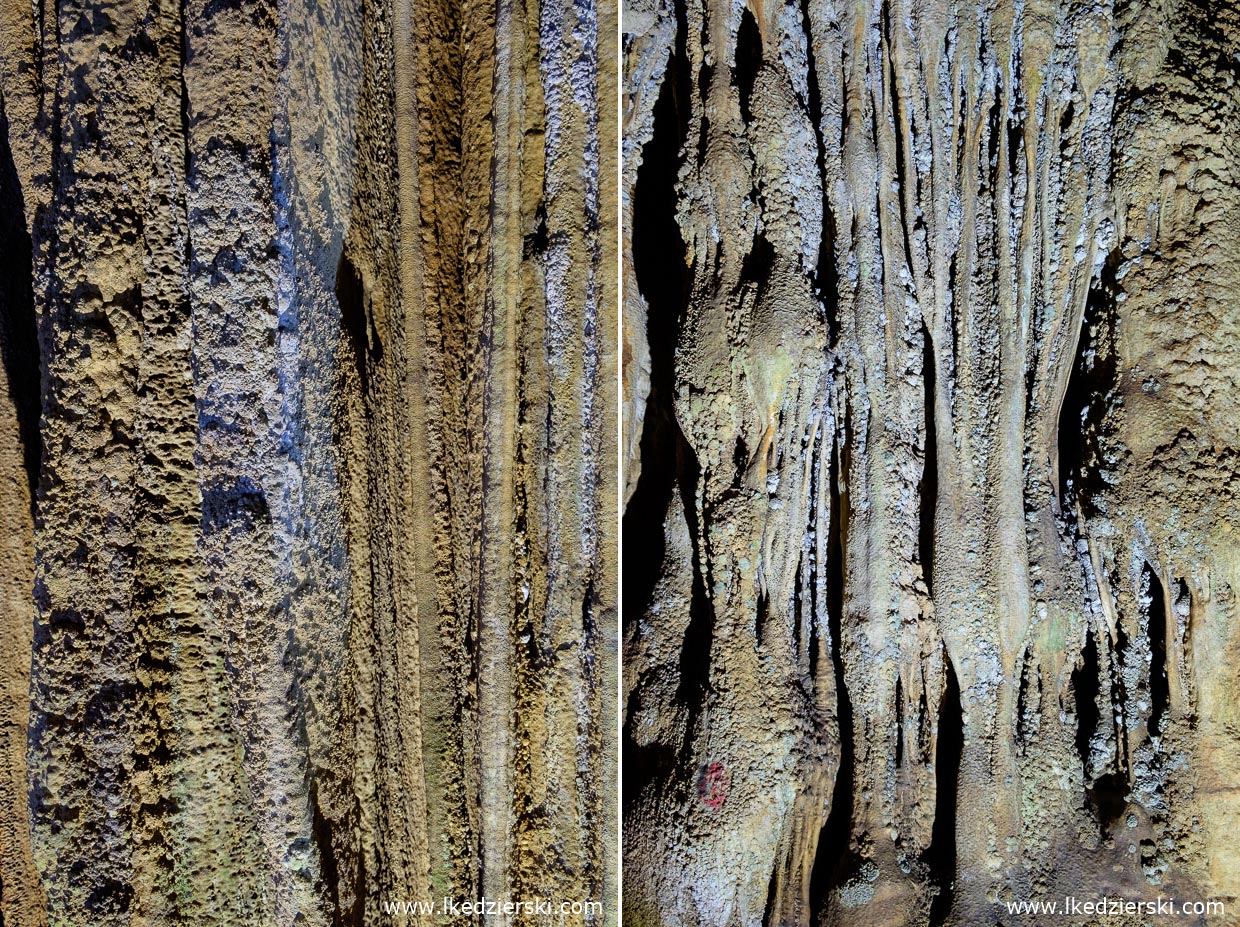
<point x="959" y="241"/>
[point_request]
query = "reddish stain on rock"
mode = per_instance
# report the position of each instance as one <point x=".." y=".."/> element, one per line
<point x="713" y="785"/>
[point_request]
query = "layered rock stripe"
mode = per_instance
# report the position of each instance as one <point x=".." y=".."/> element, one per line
<point x="931" y="343"/>
<point x="308" y="567"/>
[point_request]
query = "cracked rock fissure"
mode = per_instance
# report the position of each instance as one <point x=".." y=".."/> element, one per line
<point x="307" y="444"/>
<point x="932" y="458"/>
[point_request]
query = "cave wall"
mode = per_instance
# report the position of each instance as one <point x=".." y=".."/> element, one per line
<point x="931" y="334"/>
<point x="306" y="459"/>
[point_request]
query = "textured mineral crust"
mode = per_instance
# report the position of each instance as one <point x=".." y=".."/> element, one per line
<point x="307" y="460"/>
<point x="932" y="460"/>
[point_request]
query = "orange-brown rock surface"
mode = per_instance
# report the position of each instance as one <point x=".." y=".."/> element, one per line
<point x="307" y="481"/>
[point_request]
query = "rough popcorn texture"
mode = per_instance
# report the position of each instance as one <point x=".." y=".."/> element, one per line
<point x="932" y="458"/>
<point x="307" y="459"/>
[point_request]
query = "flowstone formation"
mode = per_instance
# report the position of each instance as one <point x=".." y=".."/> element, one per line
<point x="307" y="460"/>
<point x="932" y="342"/>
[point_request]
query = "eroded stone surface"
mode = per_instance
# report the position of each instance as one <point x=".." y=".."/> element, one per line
<point x="322" y="558"/>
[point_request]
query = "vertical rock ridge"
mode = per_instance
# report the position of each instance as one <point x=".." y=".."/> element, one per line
<point x="321" y="594"/>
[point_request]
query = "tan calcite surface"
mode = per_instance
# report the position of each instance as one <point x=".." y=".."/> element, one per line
<point x="933" y="339"/>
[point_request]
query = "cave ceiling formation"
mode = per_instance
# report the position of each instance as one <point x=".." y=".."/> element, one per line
<point x="931" y="356"/>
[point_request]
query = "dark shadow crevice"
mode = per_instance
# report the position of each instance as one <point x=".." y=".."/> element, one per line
<point x="1085" y="687"/>
<point x="357" y="328"/>
<point x="824" y="272"/>
<point x="940" y="857"/>
<point x="663" y="280"/>
<point x="1160" y="690"/>
<point x="668" y="463"/>
<point x="928" y="491"/>
<point x="748" y="61"/>
<point x="836" y="856"/>
<point x="1082" y="416"/>
<point x="899" y="713"/>
<point x="1108" y="798"/>
<point x="757" y="266"/>
<point x="760" y="618"/>
<point x="695" y="650"/>
<point x="1104" y="792"/>
<point x="19" y="340"/>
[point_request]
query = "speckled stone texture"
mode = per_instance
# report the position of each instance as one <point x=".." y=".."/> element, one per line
<point x="931" y="353"/>
<point x="307" y="459"/>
